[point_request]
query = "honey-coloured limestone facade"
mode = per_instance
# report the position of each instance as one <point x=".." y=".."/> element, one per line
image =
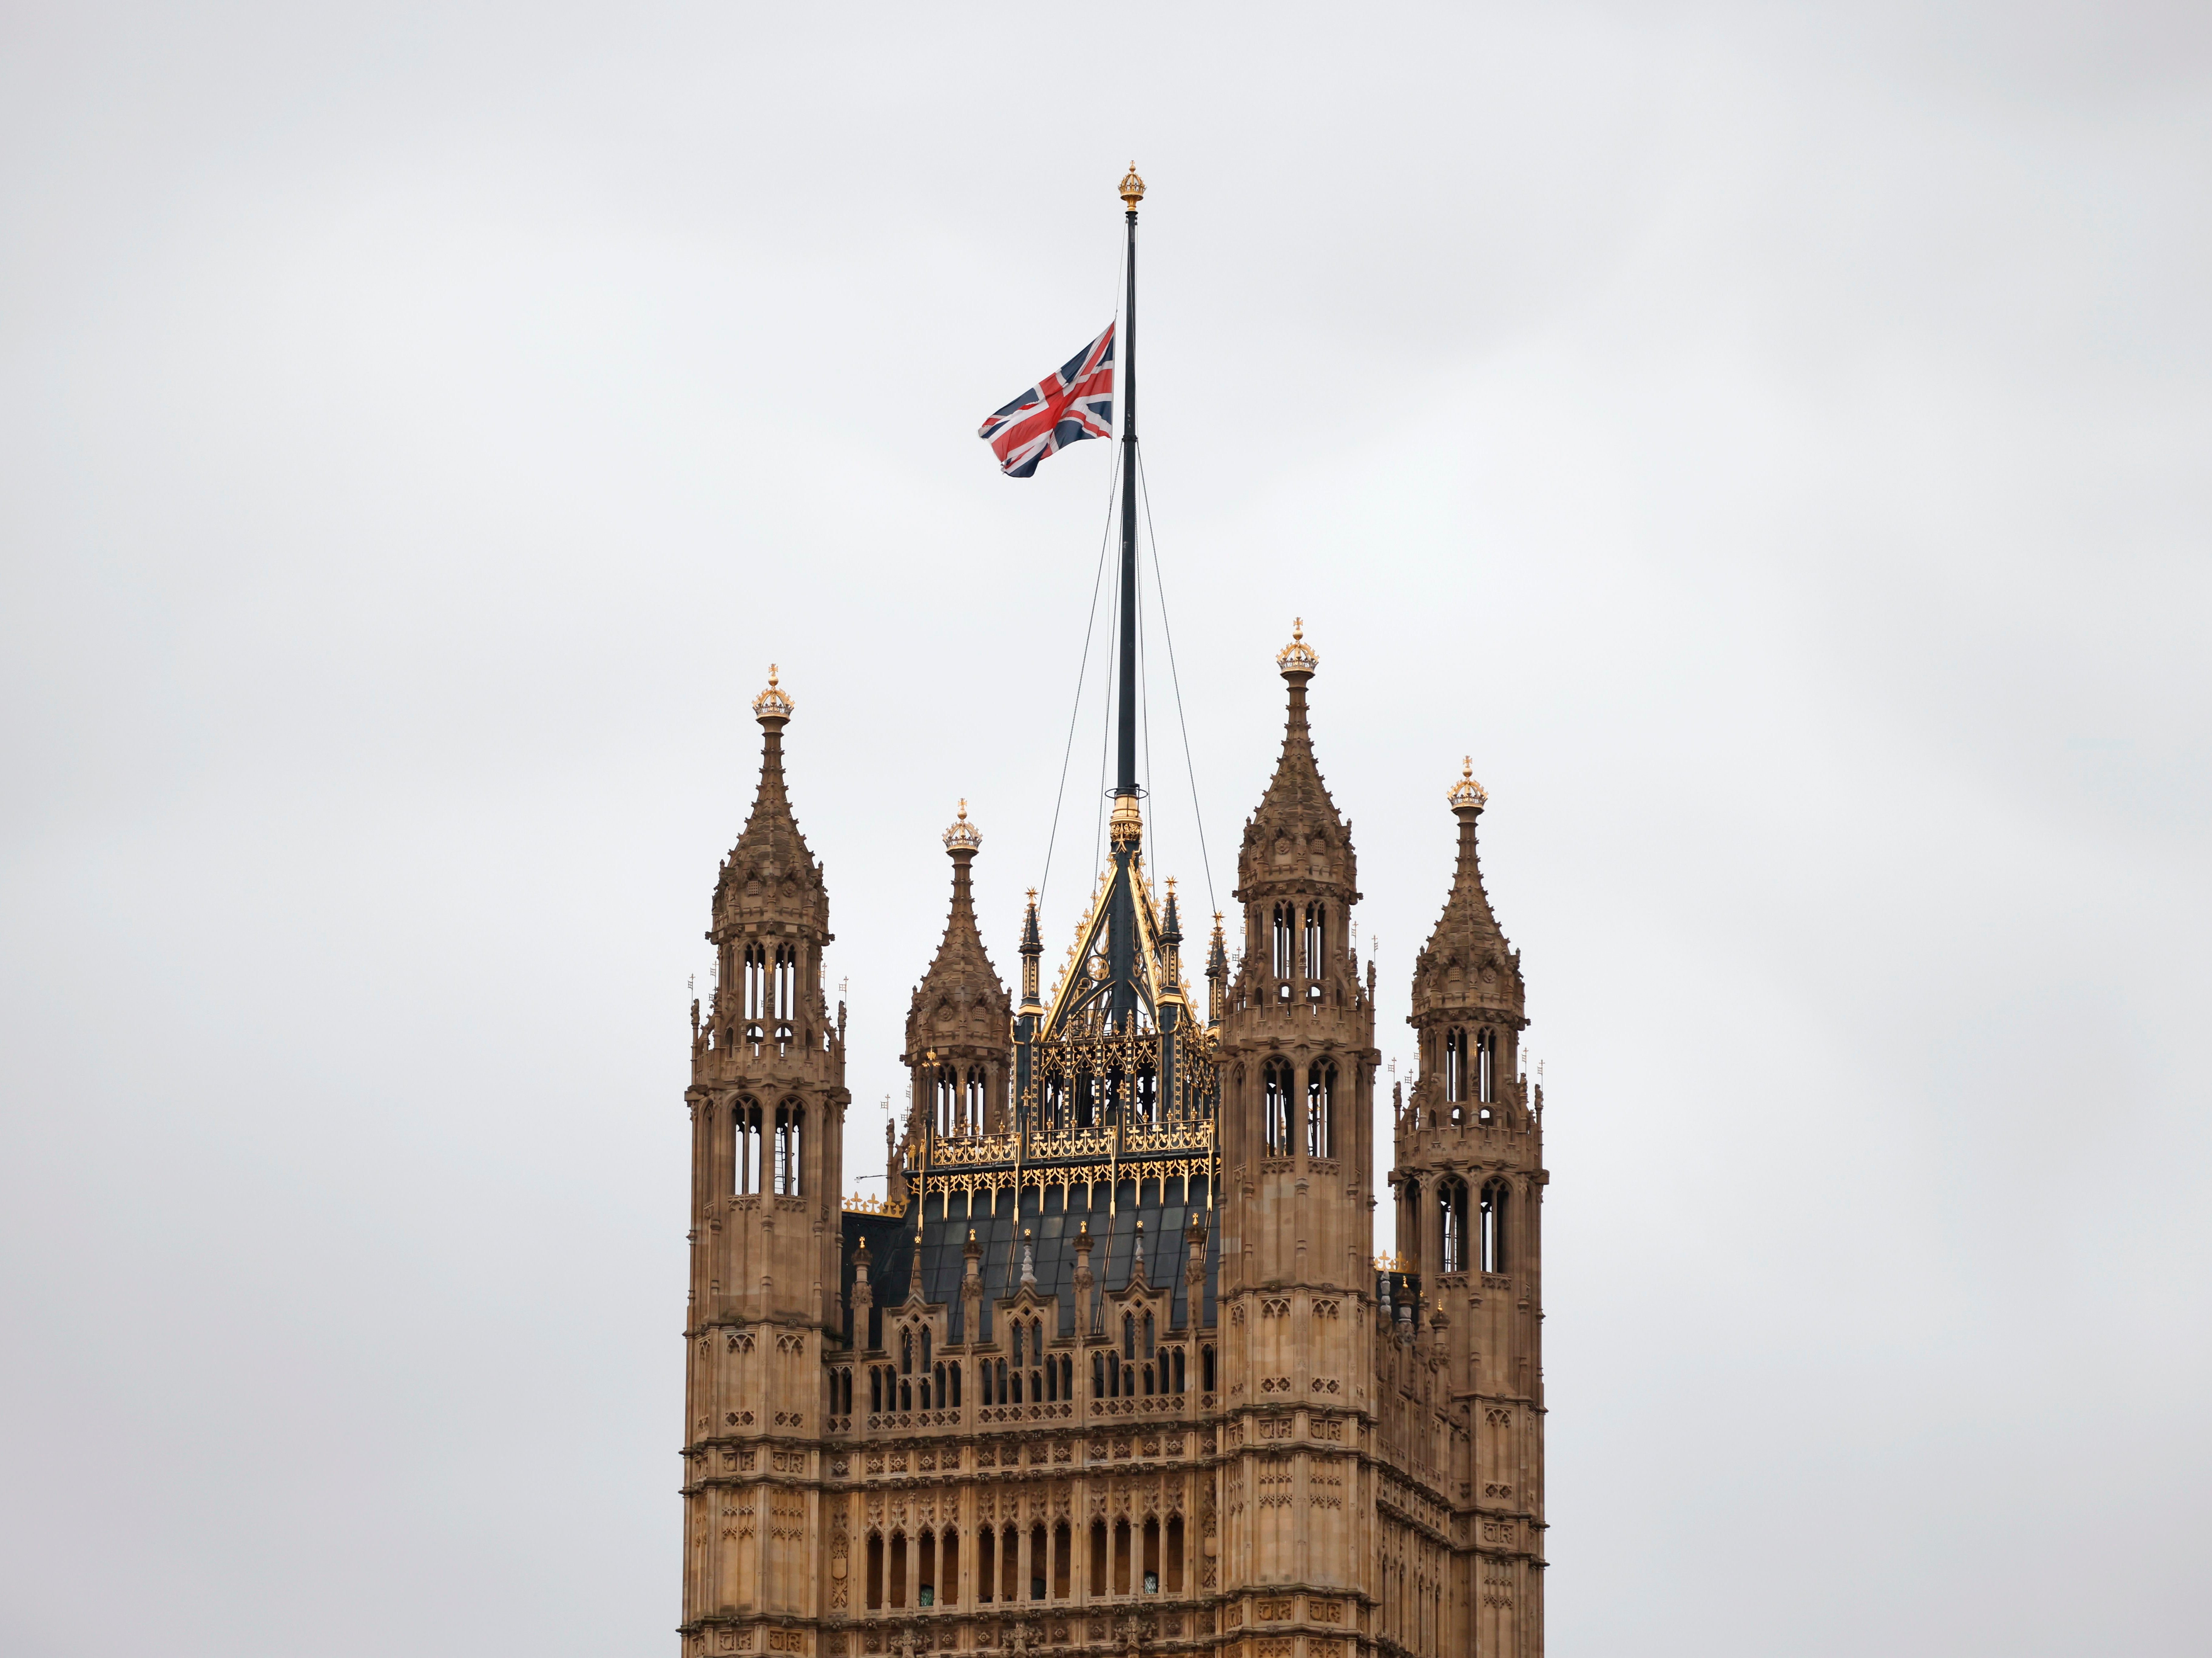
<point x="1114" y="1368"/>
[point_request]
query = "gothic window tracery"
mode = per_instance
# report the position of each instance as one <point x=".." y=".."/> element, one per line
<point x="790" y="1119"/>
<point x="1485" y="1068"/>
<point x="1321" y="1109"/>
<point x="1493" y="1227"/>
<point x="1275" y="1107"/>
<point x="755" y="990"/>
<point x="1284" y="915"/>
<point x="945" y="1101"/>
<point x="1451" y="1203"/>
<point x="1315" y="921"/>
<point x="1455" y="1068"/>
<point x="745" y="1147"/>
<point x="784" y="990"/>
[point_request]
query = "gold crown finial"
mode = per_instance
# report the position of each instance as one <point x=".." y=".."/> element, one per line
<point x="771" y="703"/>
<point x="963" y="836"/>
<point x="1133" y="187"/>
<point x="1296" y="657"/>
<point x="1467" y="792"/>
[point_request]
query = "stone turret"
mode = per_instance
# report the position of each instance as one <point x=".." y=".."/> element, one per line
<point x="959" y="1025"/>
<point x="1297" y="1059"/>
<point x="767" y="1103"/>
<point x="1469" y="1178"/>
<point x="1468" y="998"/>
<point x="768" y="1069"/>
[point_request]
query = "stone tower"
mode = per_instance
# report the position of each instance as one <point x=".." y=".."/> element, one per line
<point x="1112" y="1368"/>
<point x="767" y="1103"/>
<point x="1469" y="1177"/>
<point x="1297" y="1284"/>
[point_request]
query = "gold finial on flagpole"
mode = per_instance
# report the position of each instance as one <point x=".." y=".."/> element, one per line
<point x="1133" y="188"/>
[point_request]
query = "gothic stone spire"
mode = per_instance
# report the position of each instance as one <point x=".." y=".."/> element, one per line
<point x="1295" y="834"/>
<point x="1468" y="964"/>
<point x="770" y="874"/>
<point x="959" y="1024"/>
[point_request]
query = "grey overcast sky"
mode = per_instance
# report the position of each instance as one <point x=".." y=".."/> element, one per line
<point x="1772" y="440"/>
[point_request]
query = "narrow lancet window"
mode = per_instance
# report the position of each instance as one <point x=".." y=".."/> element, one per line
<point x="1275" y="1107"/>
<point x="1320" y="1110"/>
<point x="1493" y="1227"/>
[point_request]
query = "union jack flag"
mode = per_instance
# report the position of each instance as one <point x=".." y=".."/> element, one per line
<point x="1073" y="402"/>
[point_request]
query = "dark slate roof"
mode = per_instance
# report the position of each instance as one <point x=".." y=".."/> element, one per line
<point x="1166" y="1212"/>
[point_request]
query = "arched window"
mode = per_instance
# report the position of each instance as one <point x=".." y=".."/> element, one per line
<point x="1275" y="1107"/>
<point x="1493" y="1227"/>
<point x="1486" y="1066"/>
<point x="1316" y="914"/>
<point x="1321" y="1109"/>
<point x="1451" y="1201"/>
<point x="1284" y="913"/>
<point x="1129" y="1335"/>
<point x="790" y="1117"/>
<point x="784" y="994"/>
<point x="971" y="1108"/>
<point x="943" y="1085"/>
<point x="755" y="982"/>
<point x="1455" y="1067"/>
<point x="745" y="1134"/>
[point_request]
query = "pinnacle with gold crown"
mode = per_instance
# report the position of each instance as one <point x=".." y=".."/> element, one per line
<point x="962" y="836"/>
<point x="1297" y="656"/>
<point x="1467" y="792"/>
<point x="1133" y="187"/>
<point x="772" y="704"/>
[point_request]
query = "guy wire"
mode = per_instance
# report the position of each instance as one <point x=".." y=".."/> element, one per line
<point x="1205" y="861"/>
<point x="1105" y="539"/>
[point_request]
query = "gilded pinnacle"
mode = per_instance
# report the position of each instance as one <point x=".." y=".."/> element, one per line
<point x="963" y="836"/>
<point x="1133" y="187"/>
<point x="1297" y="656"/>
<point x="771" y="703"/>
<point x="1467" y="792"/>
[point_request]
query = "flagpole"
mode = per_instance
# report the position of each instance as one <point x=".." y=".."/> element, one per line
<point x="1127" y="823"/>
